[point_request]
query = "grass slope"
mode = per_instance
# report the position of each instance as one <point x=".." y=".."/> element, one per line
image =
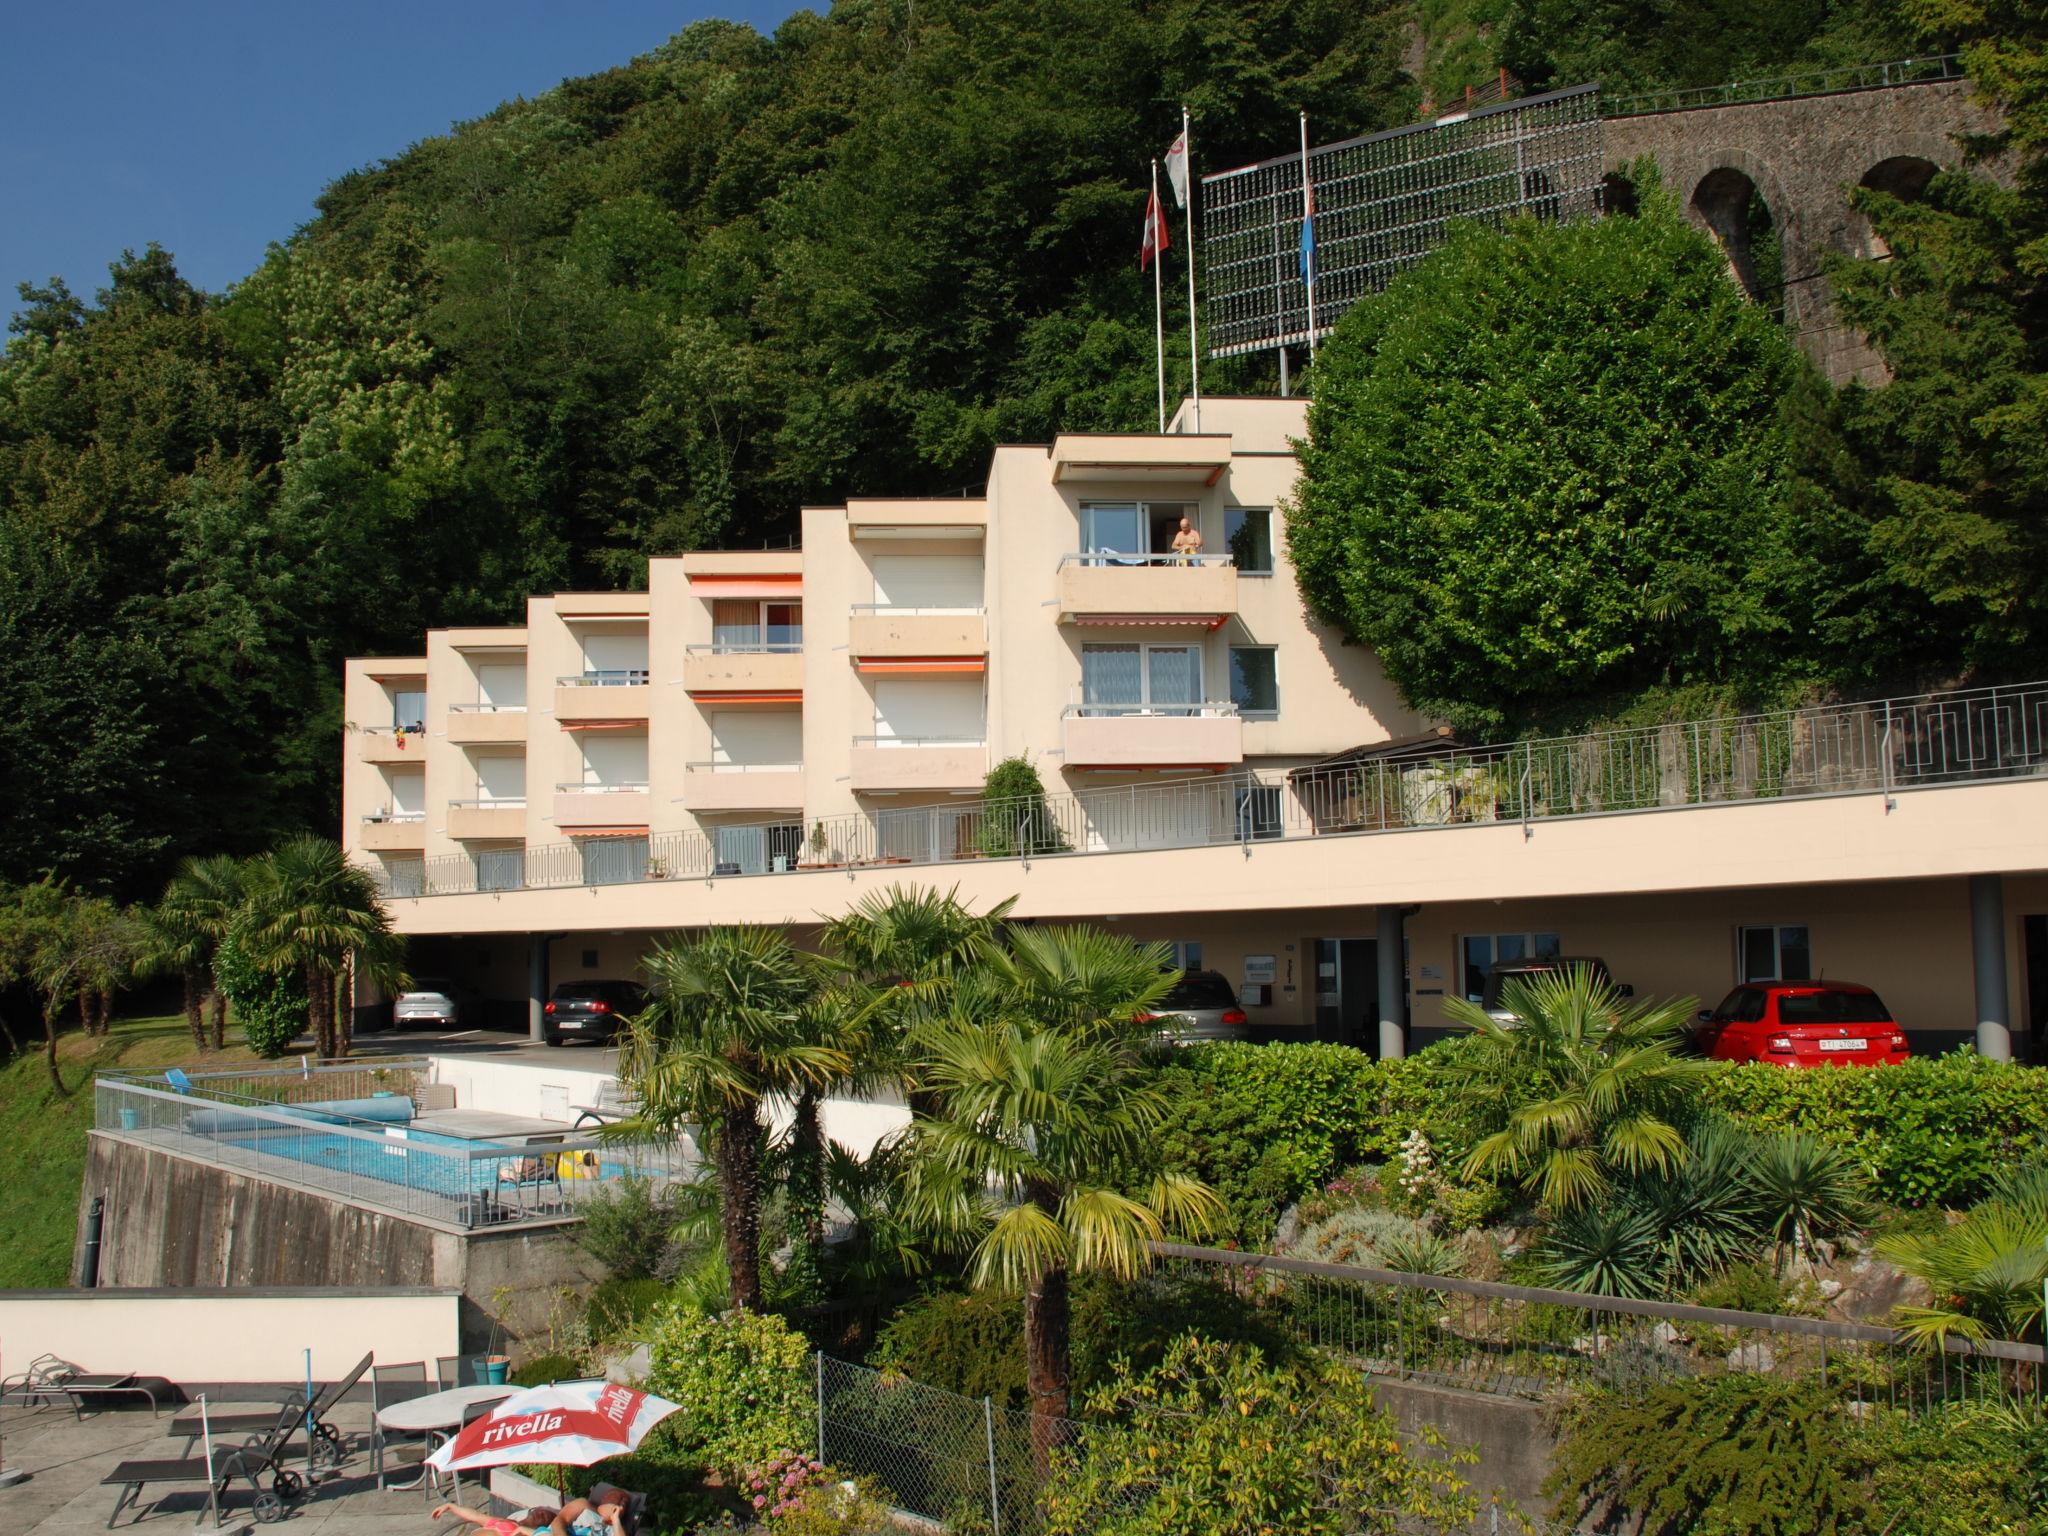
<point x="39" y="1196"/>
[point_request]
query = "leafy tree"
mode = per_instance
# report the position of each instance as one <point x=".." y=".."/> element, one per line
<point x="1584" y="1086"/>
<point x="270" y="1006"/>
<point x="1015" y="818"/>
<point x="1547" y="468"/>
<point x="1216" y="1440"/>
<point x="185" y="931"/>
<point x="1040" y="1110"/>
<point x="724" y="1031"/>
<point x="313" y="912"/>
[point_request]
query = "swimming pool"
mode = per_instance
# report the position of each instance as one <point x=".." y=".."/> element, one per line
<point x="418" y="1160"/>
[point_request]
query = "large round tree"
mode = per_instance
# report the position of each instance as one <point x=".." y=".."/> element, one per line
<point x="1547" y="469"/>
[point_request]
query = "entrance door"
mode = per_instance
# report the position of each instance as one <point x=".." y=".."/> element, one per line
<point x="1347" y="992"/>
<point x="2034" y="932"/>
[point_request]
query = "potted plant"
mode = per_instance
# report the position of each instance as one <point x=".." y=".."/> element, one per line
<point x="496" y="1365"/>
<point x="819" y="849"/>
<point x="657" y="868"/>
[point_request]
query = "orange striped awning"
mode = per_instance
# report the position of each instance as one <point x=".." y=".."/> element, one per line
<point x="604" y="725"/>
<point x="749" y="584"/>
<point x="747" y="696"/>
<point x="593" y="834"/>
<point x="921" y="665"/>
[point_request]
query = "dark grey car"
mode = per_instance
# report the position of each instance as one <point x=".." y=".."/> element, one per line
<point x="590" y="1010"/>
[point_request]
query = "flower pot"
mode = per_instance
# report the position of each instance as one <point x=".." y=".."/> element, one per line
<point x="131" y="1120"/>
<point x="496" y="1369"/>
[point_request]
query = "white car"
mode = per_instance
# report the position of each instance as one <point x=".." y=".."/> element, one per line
<point x="432" y="1000"/>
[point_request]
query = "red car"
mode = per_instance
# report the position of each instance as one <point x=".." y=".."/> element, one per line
<point x="1803" y="1024"/>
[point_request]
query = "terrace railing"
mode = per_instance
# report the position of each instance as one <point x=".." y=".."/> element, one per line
<point x="1812" y="82"/>
<point x="232" y="1122"/>
<point x="1883" y="746"/>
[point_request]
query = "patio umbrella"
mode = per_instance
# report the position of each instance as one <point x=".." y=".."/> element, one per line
<point x="575" y="1423"/>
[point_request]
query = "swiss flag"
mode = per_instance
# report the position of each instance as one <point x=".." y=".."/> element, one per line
<point x="1154" y="240"/>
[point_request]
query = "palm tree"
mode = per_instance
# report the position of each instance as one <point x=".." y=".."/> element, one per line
<point x="1583" y="1085"/>
<point x="1986" y="1271"/>
<point x="311" y="910"/>
<point x="186" y="928"/>
<point x="723" y="1031"/>
<point x="1042" y="1109"/>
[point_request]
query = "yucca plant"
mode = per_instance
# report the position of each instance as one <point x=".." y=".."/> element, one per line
<point x="1583" y="1088"/>
<point x="1806" y="1190"/>
<point x="1604" y="1250"/>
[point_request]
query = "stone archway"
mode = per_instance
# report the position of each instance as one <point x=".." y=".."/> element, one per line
<point x="1904" y="177"/>
<point x="1737" y="213"/>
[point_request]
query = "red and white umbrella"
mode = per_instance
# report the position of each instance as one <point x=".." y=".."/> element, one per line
<point x="576" y="1423"/>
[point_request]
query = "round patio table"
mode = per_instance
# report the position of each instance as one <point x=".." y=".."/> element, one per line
<point x="438" y="1416"/>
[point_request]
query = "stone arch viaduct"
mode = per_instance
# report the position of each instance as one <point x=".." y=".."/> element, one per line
<point x="1803" y="156"/>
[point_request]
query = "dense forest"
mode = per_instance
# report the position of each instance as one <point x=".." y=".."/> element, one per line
<point x="651" y="310"/>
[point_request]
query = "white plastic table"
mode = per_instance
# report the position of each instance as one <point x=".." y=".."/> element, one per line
<point x="438" y="1416"/>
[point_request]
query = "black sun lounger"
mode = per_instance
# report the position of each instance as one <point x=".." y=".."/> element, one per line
<point x="251" y="1462"/>
<point x="328" y="1445"/>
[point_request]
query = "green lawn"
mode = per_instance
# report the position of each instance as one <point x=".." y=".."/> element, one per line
<point x="44" y="1136"/>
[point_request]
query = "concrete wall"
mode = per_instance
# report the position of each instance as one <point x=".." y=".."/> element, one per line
<point x="174" y="1222"/>
<point x="1510" y="1434"/>
<point x="230" y="1335"/>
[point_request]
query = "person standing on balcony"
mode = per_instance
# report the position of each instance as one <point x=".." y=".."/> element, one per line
<point x="1187" y="542"/>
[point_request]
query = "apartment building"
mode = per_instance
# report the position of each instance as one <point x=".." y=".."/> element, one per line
<point x="768" y="735"/>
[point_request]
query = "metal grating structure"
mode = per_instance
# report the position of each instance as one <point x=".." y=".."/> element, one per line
<point x="1383" y="202"/>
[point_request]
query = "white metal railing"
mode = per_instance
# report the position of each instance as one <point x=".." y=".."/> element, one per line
<point x="715" y="767"/>
<point x="579" y="788"/>
<point x="1133" y="558"/>
<point x="381" y="817"/>
<point x="1882" y="746"/>
<point x="486" y="709"/>
<point x="1207" y="709"/>
<point x="503" y="803"/>
<point x="946" y="611"/>
<point x="920" y="741"/>
<point x="613" y="677"/>
<point x="746" y="647"/>
<point x="394" y="730"/>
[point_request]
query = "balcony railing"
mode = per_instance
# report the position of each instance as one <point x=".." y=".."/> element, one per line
<point x="393" y="818"/>
<point x="1885" y="746"/>
<point x="956" y="611"/>
<point x="745" y="648"/>
<point x="1121" y="558"/>
<point x="577" y="787"/>
<point x="920" y="741"/>
<point x="514" y="803"/>
<point x="1209" y="709"/>
<point x="486" y="709"/>
<point x="615" y="677"/>
<point x="744" y="767"/>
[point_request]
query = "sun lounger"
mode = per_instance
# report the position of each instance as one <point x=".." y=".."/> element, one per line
<point x="49" y="1378"/>
<point x="251" y="1462"/>
<point x="327" y="1444"/>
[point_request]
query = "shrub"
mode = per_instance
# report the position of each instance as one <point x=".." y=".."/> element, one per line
<point x="672" y="1479"/>
<point x="620" y="1303"/>
<point x="972" y="1344"/>
<point x="271" y="1009"/>
<point x="1215" y="1441"/>
<point x="1725" y="1456"/>
<point x="1930" y="1131"/>
<point x="1743" y="1288"/>
<point x="1015" y="818"/>
<point x="542" y="1369"/>
<point x="1969" y="1470"/>
<point x="743" y="1380"/>
<point x="629" y="1227"/>
<point x="1378" y="1240"/>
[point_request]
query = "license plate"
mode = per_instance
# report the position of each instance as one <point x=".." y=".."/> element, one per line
<point x="570" y="1024"/>
<point x="1845" y="1045"/>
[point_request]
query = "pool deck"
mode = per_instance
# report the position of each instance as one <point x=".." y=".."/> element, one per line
<point x="66" y="1458"/>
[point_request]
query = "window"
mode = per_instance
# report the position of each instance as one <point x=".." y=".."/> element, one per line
<point x="1780" y="952"/>
<point x="937" y="583"/>
<point x="1118" y="679"/>
<point x="405" y="877"/>
<point x="911" y="710"/>
<point x="500" y="869"/>
<point x="1248" y="536"/>
<point x="751" y="624"/>
<point x="1258" y="813"/>
<point x="616" y="659"/>
<point x="500" y="780"/>
<point x="757" y="850"/>
<point x="1254" y="683"/>
<point x="1479" y="953"/>
<point x="409" y="710"/>
<point x="1745" y="1005"/>
<point x="1187" y="955"/>
<point x="501" y="685"/>
<point x="614" y="762"/>
<point x="613" y="860"/>
<point x="1134" y="529"/>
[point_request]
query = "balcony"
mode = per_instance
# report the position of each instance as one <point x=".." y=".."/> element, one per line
<point x="919" y="762"/>
<point x="1148" y="590"/>
<point x="394" y="832"/>
<point x="615" y="695"/>
<point x="499" y="820"/>
<point x="600" y="805"/>
<point x="1134" y="736"/>
<point x="487" y="725"/>
<point x="743" y="787"/>
<point x="382" y="744"/>
<point x="883" y="630"/>
<point x="771" y="668"/>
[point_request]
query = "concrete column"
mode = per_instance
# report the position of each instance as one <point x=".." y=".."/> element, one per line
<point x="1987" y="954"/>
<point x="536" y="987"/>
<point x="1393" y="985"/>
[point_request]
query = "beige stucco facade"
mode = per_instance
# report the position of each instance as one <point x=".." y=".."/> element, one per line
<point x="826" y="716"/>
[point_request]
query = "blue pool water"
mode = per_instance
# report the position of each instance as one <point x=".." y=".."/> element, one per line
<point x="413" y="1161"/>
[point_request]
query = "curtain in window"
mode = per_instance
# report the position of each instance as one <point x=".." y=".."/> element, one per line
<point x="1175" y="673"/>
<point x="1110" y="674"/>
<point x="735" y="622"/>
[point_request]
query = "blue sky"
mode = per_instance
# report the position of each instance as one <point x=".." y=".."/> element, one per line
<point x="209" y="126"/>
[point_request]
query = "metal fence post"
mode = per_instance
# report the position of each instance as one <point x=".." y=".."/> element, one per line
<point x="821" y="1403"/>
<point x="995" y="1488"/>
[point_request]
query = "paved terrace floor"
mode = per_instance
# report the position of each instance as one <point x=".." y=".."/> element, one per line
<point x="67" y="1457"/>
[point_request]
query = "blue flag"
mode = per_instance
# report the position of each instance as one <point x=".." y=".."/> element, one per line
<point x="1308" y="238"/>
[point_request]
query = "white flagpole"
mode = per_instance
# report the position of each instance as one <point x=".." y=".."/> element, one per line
<point x="1308" y="215"/>
<point x="1155" y="213"/>
<point x="1187" y="150"/>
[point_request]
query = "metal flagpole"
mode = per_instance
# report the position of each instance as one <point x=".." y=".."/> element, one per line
<point x="1158" y="222"/>
<point x="1308" y="247"/>
<point x="1187" y="151"/>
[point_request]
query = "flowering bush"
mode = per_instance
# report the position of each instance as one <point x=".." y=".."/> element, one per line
<point x="778" y="1486"/>
<point x="743" y="1379"/>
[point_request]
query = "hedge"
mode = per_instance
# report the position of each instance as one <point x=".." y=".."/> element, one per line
<point x="1264" y="1125"/>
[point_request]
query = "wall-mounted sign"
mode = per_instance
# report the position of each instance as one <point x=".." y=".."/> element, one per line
<point x="1432" y="973"/>
<point x="1260" y="970"/>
